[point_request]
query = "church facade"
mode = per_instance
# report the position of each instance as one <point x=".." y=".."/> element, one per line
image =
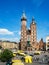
<point x="28" y="36"/>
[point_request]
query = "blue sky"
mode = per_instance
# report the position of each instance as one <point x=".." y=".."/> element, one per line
<point x="10" y="17"/>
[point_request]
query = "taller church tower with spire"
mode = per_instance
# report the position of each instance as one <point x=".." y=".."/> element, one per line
<point x="28" y="36"/>
<point x="23" y="31"/>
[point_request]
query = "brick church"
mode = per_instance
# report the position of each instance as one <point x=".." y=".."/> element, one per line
<point x="28" y="36"/>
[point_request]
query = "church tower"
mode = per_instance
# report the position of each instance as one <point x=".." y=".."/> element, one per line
<point x="23" y="31"/>
<point x="33" y="32"/>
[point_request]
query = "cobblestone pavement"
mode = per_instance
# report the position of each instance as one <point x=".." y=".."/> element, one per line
<point x="2" y="63"/>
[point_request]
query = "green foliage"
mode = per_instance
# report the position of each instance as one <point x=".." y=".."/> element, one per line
<point x="0" y="55"/>
<point x="6" y="55"/>
<point x="0" y="47"/>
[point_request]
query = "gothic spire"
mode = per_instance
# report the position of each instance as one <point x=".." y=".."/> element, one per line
<point x="33" y="20"/>
<point x="23" y="17"/>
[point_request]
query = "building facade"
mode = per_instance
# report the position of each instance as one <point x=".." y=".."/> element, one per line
<point x="8" y="45"/>
<point x="41" y="45"/>
<point x="47" y="43"/>
<point x="28" y="36"/>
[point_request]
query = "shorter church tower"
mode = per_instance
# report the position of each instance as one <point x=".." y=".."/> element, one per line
<point x="33" y="33"/>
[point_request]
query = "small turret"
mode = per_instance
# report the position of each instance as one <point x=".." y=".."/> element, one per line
<point x="33" y="21"/>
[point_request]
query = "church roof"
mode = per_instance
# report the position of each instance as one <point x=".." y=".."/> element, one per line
<point x="28" y="32"/>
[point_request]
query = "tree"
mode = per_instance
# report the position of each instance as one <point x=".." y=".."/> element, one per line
<point x="6" y="55"/>
<point x="0" y="47"/>
<point x="0" y="55"/>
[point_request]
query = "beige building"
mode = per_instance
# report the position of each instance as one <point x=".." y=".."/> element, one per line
<point x="47" y="43"/>
<point x="8" y="45"/>
<point x="28" y="36"/>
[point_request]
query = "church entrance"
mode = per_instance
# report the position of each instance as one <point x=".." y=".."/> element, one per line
<point x="29" y="47"/>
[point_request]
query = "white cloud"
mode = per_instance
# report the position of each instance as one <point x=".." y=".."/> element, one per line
<point x="5" y="32"/>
